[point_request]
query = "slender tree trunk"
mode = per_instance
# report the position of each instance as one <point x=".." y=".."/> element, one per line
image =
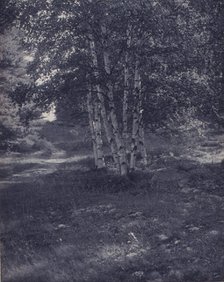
<point x="141" y="141"/>
<point x="126" y="89"/>
<point x="90" y="108"/>
<point x="113" y="116"/>
<point x="141" y="132"/>
<point x="136" y="113"/>
<point x="107" y="126"/>
<point x="95" y="128"/>
<point x="98" y="134"/>
<point x="118" y="139"/>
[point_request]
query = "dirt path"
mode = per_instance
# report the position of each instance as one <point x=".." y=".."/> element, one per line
<point x="31" y="166"/>
<point x="209" y="150"/>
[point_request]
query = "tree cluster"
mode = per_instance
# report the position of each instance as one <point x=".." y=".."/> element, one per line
<point x="128" y="65"/>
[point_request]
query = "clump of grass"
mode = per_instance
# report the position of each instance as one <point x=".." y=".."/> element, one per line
<point x="102" y="181"/>
<point x="105" y="181"/>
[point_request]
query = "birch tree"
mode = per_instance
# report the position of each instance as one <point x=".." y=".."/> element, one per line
<point x="95" y="129"/>
<point x="107" y="125"/>
<point x="136" y="116"/>
<point x="112" y="111"/>
<point x="127" y="87"/>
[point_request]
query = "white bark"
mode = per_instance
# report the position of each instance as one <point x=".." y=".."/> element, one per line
<point x="135" y="122"/>
<point x="95" y="128"/>
<point x="141" y="132"/>
<point x="107" y="126"/>
<point x="126" y="88"/>
<point x="141" y="141"/>
<point x="113" y="116"/>
<point x="98" y="134"/>
<point x="91" y="125"/>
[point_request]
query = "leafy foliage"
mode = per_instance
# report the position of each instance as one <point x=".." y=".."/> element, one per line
<point x="172" y="38"/>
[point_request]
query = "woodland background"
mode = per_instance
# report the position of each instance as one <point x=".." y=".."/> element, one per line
<point x="111" y="125"/>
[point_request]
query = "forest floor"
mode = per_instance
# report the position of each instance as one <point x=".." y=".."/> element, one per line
<point x="62" y="221"/>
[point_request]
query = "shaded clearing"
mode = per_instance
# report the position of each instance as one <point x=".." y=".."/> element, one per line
<point x="61" y="220"/>
<point x="84" y="225"/>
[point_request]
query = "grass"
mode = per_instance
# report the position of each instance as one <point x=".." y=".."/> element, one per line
<point x="95" y="226"/>
<point x="163" y="224"/>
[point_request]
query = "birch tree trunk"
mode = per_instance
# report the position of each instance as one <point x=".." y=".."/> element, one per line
<point x="98" y="134"/>
<point x="126" y="88"/>
<point x="141" y="141"/>
<point x="90" y="108"/>
<point x="107" y="126"/>
<point x="113" y="116"/>
<point x="141" y="132"/>
<point x="135" y="122"/>
<point x="95" y="128"/>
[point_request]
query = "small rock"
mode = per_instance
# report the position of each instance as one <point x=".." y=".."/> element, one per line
<point x="138" y="274"/>
<point x="132" y="255"/>
<point x="61" y="226"/>
<point x="135" y="214"/>
<point x="194" y="228"/>
<point x="176" y="242"/>
<point x="186" y="190"/>
<point x="189" y="249"/>
<point x="163" y="237"/>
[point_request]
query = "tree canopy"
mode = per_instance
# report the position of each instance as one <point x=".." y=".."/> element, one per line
<point x="148" y="61"/>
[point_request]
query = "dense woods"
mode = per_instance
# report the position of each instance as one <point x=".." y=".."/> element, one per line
<point x="131" y="65"/>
